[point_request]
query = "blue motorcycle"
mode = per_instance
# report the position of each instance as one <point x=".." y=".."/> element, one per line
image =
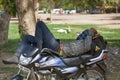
<point x="48" y="65"/>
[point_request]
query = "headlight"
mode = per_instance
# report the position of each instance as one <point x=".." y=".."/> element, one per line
<point x="24" y="60"/>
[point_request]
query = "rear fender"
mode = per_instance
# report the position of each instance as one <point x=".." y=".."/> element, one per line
<point x="102" y="56"/>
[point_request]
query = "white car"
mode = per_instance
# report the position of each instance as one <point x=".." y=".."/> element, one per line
<point x="66" y="12"/>
<point x="55" y="11"/>
<point x="72" y="11"/>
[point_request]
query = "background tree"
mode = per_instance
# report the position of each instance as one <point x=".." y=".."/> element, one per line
<point x="36" y="8"/>
<point x="9" y="8"/>
<point x="26" y="15"/>
<point x="67" y="4"/>
<point x="58" y="3"/>
<point x="26" y="10"/>
<point x="115" y="3"/>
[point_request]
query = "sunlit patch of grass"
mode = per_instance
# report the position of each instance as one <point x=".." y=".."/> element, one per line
<point x="111" y="35"/>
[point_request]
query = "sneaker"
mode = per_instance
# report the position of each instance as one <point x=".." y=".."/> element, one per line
<point x="12" y="60"/>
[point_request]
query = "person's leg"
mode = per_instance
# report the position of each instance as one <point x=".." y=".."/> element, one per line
<point x="45" y="37"/>
<point x="27" y="40"/>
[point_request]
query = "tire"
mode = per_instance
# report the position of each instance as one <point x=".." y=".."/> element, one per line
<point x="55" y="77"/>
<point x="94" y="74"/>
<point x="17" y="77"/>
<point x="20" y="77"/>
<point x="101" y="70"/>
<point x="33" y="76"/>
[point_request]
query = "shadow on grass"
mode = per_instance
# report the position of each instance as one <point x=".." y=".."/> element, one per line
<point x="12" y="45"/>
<point x="7" y="72"/>
<point x="113" y="42"/>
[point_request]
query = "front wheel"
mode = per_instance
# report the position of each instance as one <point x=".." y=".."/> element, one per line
<point x="21" y="77"/>
<point x="17" y="77"/>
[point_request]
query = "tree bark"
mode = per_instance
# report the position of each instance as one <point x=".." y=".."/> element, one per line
<point x="4" y="24"/>
<point x="36" y="9"/>
<point x="26" y="16"/>
<point x="116" y="9"/>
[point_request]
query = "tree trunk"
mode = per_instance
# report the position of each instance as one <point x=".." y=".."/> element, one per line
<point x="4" y="24"/>
<point x="26" y="16"/>
<point x="36" y="9"/>
<point x="51" y="1"/>
<point x="116" y="9"/>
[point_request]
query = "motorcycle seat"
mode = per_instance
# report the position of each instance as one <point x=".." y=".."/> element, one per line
<point x="73" y="61"/>
<point x="46" y="51"/>
<point x="86" y="56"/>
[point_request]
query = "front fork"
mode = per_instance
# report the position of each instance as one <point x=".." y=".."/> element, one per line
<point x="26" y="71"/>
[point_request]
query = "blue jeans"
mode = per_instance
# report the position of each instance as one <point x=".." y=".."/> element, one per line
<point x="43" y="39"/>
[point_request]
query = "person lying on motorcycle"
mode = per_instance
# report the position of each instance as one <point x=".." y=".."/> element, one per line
<point x="44" y="39"/>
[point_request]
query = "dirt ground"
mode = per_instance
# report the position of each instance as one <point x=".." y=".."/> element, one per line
<point x="113" y="63"/>
<point x="104" y="20"/>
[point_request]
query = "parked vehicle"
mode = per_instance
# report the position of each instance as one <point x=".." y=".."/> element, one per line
<point x="72" y="11"/>
<point x="56" y="11"/>
<point x="95" y="11"/>
<point x="69" y="11"/>
<point x="66" y="12"/>
<point x="38" y="66"/>
<point x="1" y="13"/>
<point x="61" y="11"/>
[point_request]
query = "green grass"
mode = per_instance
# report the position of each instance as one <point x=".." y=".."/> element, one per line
<point x="111" y="35"/>
<point x="13" y="41"/>
<point x="8" y="72"/>
<point x="9" y="69"/>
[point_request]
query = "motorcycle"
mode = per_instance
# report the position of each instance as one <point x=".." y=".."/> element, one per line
<point x="48" y="65"/>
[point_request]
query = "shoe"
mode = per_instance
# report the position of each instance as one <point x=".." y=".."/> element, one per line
<point x="12" y="60"/>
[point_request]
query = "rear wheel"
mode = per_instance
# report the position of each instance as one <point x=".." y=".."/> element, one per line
<point x="94" y="75"/>
<point x="90" y="74"/>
